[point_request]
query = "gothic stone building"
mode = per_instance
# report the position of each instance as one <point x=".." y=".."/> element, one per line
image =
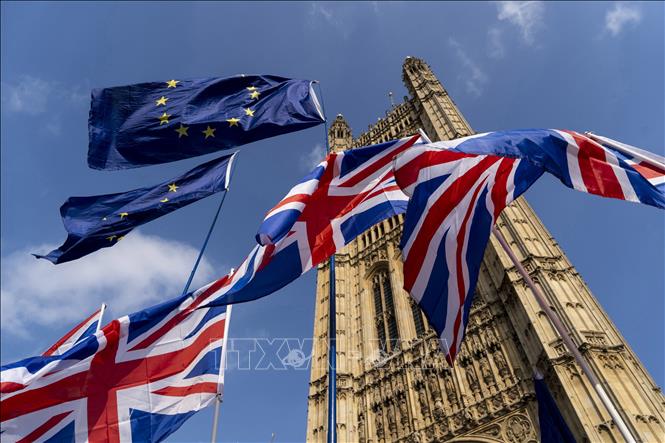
<point x="393" y="384"/>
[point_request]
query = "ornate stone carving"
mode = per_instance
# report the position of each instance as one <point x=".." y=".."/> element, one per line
<point x="439" y="413"/>
<point x="415" y="437"/>
<point x="433" y="382"/>
<point x="361" y="428"/>
<point x="486" y="372"/>
<point x="471" y="378"/>
<point x="378" y="420"/>
<point x="490" y="337"/>
<point x="422" y="400"/>
<point x="501" y="364"/>
<point x="392" y="424"/>
<point x="517" y="428"/>
<point x="450" y="388"/>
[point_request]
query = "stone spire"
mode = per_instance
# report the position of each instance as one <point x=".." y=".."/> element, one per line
<point x="439" y="116"/>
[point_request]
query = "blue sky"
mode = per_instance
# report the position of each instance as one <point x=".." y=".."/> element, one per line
<point x="591" y="66"/>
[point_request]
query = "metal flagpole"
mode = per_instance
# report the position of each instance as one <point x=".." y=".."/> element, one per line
<point x="101" y="314"/>
<point x="229" y="173"/>
<point x="332" y="356"/>
<point x="222" y="366"/>
<point x="332" y="322"/>
<point x="565" y="336"/>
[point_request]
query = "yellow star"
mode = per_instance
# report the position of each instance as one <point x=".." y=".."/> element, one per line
<point x="251" y="88"/>
<point x="164" y="200"/>
<point x="111" y="237"/>
<point x="164" y="118"/>
<point x="172" y="83"/>
<point x="209" y="132"/>
<point x="120" y="238"/>
<point x="255" y="94"/>
<point x="233" y="121"/>
<point x="123" y="215"/>
<point x="182" y="130"/>
<point x="161" y="101"/>
<point x="173" y="187"/>
<point x="249" y="112"/>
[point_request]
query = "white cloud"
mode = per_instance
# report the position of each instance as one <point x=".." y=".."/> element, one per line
<point x="526" y="16"/>
<point x="313" y="157"/>
<point x="621" y="15"/>
<point x="474" y="78"/>
<point x="140" y="271"/>
<point x="34" y="96"/>
<point x="325" y="13"/>
<point x="495" y="43"/>
<point x="344" y="17"/>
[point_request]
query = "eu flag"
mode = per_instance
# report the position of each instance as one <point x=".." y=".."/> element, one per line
<point x="159" y="122"/>
<point x="102" y="221"/>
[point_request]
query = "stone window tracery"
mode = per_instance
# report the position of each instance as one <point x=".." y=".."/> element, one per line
<point x="384" y="307"/>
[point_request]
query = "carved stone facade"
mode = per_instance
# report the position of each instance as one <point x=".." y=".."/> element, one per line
<point x="393" y="383"/>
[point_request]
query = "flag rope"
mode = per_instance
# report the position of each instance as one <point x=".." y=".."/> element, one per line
<point x="332" y="319"/>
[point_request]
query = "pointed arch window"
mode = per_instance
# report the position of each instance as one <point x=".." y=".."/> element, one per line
<point x="418" y="318"/>
<point x="384" y="307"/>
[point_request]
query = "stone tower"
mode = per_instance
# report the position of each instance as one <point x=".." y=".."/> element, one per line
<point x="392" y="381"/>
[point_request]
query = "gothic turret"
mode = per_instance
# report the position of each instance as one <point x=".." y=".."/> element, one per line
<point x="339" y="135"/>
<point x="439" y="116"/>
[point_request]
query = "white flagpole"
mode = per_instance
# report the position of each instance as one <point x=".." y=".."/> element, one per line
<point x="101" y="315"/>
<point x="222" y="366"/>
<point x="565" y="336"/>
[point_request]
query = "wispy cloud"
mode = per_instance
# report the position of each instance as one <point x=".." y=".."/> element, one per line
<point x="528" y="17"/>
<point x="312" y="158"/>
<point x="495" y="46"/>
<point x="320" y="11"/>
<point x="620" y="16"/>
<point x="33" y="95"/>
<point x="474" y="77"/>
<point x="344" y="17"/>
<point x="140" y="271"/>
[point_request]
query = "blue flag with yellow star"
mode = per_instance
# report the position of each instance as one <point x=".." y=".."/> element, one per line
<point x="151" y="123"/>
<point x="101" y="221"/>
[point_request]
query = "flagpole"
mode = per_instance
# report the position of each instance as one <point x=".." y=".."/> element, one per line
<point x="565" y="336"/>
<point x="99" y="319"/>
<point x="229" y="173"/>
<point x="222" y="365"/>
<point x="332" y="321"/>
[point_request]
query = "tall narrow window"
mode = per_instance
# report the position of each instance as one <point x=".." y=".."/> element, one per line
<point x="384" y="305"/>
<point x="418" y="319"/>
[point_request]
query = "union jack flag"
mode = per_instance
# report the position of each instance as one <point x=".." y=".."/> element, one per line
<point x="137" y="379"/>
<point x="345" y="195"/>
<point x="84" y="329"/>
<point x="459" y="187"/>
<point x="647" y="164"/>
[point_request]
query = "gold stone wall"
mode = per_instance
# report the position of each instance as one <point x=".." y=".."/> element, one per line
<point x="393" y="383"/>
